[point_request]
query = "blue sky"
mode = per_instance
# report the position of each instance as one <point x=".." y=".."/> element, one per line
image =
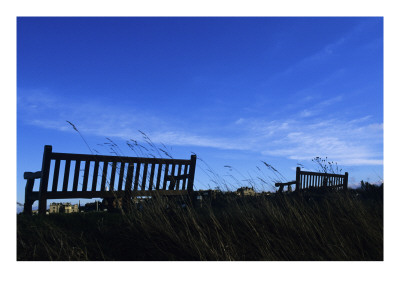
<point x="235" y="91"/>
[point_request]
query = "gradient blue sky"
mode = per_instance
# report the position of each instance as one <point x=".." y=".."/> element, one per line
<point x="235" y="91"/>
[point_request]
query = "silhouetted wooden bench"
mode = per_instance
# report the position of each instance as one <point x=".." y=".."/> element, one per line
<point x="69" y="176"/>
<point x="305" y="180"/>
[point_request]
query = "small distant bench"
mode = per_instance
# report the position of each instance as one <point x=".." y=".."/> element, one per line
<point x="305" y="180"/>
<point x="101" y="176"/>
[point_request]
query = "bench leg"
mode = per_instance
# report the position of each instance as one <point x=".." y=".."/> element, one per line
<point x="126" y="204"/>
<point x="42" y="205"/>
<point x="28" y="197"/>
<point x="28" y="207"/>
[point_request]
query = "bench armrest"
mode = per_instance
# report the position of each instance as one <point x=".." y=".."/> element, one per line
<point x="31" y="175"/>
<point x="285" y="183"/>
<point x="282" y="185"/>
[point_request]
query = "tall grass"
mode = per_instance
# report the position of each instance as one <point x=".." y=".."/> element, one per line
<point x="309" y="226"/>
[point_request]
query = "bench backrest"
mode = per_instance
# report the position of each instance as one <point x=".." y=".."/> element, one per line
<point x="66" y="175"/>
<point x="305" y="179"/>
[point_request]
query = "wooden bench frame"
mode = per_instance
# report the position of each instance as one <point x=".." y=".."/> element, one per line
<point x="305" y="180"/>
<point x="130" y="183"/>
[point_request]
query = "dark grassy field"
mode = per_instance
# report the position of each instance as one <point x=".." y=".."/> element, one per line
<point x="310" y="226"/>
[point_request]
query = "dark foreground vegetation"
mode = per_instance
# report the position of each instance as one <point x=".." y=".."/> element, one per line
<point x="315" y="225"/>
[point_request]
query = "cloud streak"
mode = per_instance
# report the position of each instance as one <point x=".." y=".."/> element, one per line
<point x="349" y="142"/>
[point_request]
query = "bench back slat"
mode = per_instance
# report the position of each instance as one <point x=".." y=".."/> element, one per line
<point x="112" y="179"/>
<point x="165" y="177"/>
<point x="56" y="173"/>
<point x="66" y="175"/>
<point x="158" y="177"/>
<point x="151" y="176"/>
<point x="172" y="182"/>
<point x="86" y="175"/>
<point x="144" y="176"/>
<point x="104" y="176"/>
<point x="137" y="176"/>
<point x="179" y="173"/>
<point x="121" y="176"/>
<point x="172" y="178"/>
<point x="76" y="176"/>
<point x="95" y="174"/>
<point x="184" y="179"/>
<point x="129" y="177"/>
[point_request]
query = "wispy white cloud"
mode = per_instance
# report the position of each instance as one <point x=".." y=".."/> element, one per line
<point x="349" y="143"/>
<point x="301" y="137"/>
<point x="308" y="113"/>
<point x="315" y="58"/>
<point x="331" y="48"/>
<point x="39" y="109"/>
<point x="239" y="121"/>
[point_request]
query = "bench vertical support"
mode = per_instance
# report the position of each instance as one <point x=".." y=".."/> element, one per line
<point x="345" y="180"/>
<point x="298" y="179"/>
<point x="45" y="179"/>
<point x="191" y="176"/>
